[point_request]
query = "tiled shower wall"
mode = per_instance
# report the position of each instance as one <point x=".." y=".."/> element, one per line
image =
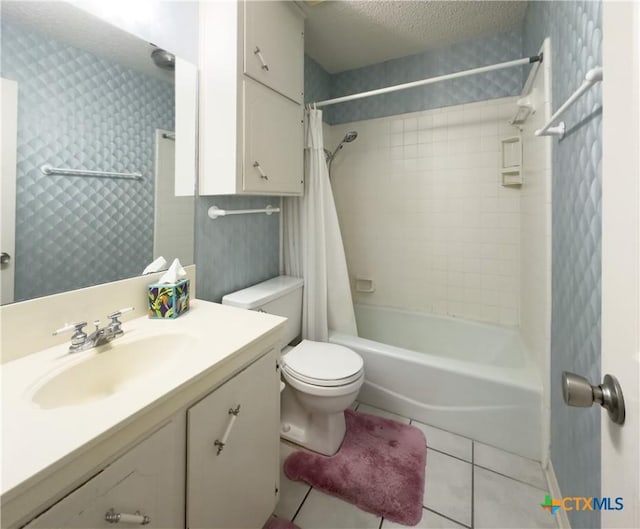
<point x="424" y="215"/>
<point x="73" y="232"/>
<point x="575" y="30"/>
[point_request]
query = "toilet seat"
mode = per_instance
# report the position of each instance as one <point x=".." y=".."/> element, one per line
<point x="323" y="391"/>
<point x="323" y="364"/>
<point x="321" y="382"/>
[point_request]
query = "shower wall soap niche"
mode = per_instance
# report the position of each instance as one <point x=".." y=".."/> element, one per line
<point x="511" y="161"/>
<point x="365" y="285"/>
<point x="525" y="108"/>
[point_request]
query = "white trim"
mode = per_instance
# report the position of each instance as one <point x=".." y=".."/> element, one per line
<point x="620" y="444"/>
<point x="281" y="240"/>
<point x="186" y="128"/>
<point x="562" y="520"/>
<point x="9" y="149"/>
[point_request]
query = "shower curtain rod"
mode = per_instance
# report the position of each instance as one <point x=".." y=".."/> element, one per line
<point x="413" y="84"/>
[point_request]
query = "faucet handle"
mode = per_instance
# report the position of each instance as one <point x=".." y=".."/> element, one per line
<point x="115" y="315"/>
<point x="79" y="337"/>
<point x="114" y="326"/>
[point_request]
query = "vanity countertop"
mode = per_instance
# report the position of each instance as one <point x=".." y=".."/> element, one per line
<point x="36" y="442"/>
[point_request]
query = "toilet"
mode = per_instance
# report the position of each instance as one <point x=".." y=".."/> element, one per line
<point x="321" y="379"/>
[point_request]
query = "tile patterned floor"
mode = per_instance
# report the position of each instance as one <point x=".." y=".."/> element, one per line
<point x="468" y="485"/>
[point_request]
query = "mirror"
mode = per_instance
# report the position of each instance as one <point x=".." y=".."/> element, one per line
<point x="90" y="152"/>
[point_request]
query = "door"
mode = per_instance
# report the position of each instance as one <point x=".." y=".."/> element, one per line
<point x="8" y="133"/>
<point x="621" y="255"/>
<point x="147" y="481"/>
<point x="273" y="142"/>
<point x="274" y="46"/>
<point x="233" y="450"/>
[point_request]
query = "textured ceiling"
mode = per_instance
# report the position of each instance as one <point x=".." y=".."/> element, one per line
<point x="76" y="27"/>
<point x="342" y="35"/>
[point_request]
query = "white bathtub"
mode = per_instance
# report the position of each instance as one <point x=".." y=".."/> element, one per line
<point x="470" y="378"/>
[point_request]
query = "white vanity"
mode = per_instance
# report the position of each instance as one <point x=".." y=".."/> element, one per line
<point x="185" y="435"/>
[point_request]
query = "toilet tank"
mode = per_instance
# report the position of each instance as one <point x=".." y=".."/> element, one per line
<point x="280" y="295"/>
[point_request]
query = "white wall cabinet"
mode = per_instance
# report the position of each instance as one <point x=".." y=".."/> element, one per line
<point x="235" y="484"/>
<point x="251" y="94"/>
<point x="149" y="479"/>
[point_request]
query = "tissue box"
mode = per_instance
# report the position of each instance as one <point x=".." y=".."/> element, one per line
<point x="168" y="300"/>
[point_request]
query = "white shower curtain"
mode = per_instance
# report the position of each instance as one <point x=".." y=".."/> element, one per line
<point x="312" y="245"/>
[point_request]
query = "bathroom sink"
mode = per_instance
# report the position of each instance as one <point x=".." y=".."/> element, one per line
<point x="110" y="369"/>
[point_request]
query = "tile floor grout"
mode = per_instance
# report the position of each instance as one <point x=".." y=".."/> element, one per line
<point x="483" y="467"/>
<point x="451" y="455"/>
<point x="447" y="517"/>
<point x="441" y="429"/>
<point x="473" y="492"/>
<point x="301" y="503"/>
<point x="511" y="478"/>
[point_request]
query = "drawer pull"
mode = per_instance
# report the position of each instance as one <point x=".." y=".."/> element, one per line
<point x="263" y="175"/>
<point x="258" y="54"/>
<point x="116" y="517"/>
<point x="233" y="415"/>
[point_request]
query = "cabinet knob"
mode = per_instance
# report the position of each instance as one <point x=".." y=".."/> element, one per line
<point x="112" y="516"/>
<point x="263" y="175"/>
<point x="258" y="54"/>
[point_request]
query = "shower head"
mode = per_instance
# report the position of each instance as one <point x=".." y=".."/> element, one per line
<point x="163" y="59"/>
<point x="350" y="136"/>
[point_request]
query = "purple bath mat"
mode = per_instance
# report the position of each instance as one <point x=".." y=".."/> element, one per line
<point x="379" y="467"/>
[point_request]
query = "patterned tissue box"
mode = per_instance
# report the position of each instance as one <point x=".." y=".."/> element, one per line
<point x="168" y="300"/>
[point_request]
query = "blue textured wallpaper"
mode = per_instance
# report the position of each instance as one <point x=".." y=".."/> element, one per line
<point x="237" y="251"/>
<point x="80" y="111"/>
<point x="462" y="56"/>
<point x="317" y="81"/>
<point x="576" y="41"/>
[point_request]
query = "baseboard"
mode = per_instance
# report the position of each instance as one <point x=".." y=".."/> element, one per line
<point x="554" y="489"/>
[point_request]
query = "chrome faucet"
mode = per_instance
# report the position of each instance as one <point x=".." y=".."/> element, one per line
<point x="81" y="341"/>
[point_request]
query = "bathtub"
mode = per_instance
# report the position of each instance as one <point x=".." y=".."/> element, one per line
<point x="469" y="378"/>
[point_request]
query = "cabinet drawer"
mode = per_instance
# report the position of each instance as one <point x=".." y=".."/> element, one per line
<point x="146" y="479"/>
<point x="273" y="142"/>
<point x="234" y="486"/>
<point x="274" y="46"/>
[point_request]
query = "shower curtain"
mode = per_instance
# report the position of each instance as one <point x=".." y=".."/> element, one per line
<point x="312" y="245"/>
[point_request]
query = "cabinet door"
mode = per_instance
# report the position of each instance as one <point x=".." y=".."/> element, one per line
<point x="274" y="46"/>
<point x="235" y="486"/>
<point x="147" y="479"/>
<point x="273" y="142"/>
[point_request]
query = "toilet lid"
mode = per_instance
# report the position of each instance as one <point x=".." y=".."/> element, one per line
<point x="323" y="364"/>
